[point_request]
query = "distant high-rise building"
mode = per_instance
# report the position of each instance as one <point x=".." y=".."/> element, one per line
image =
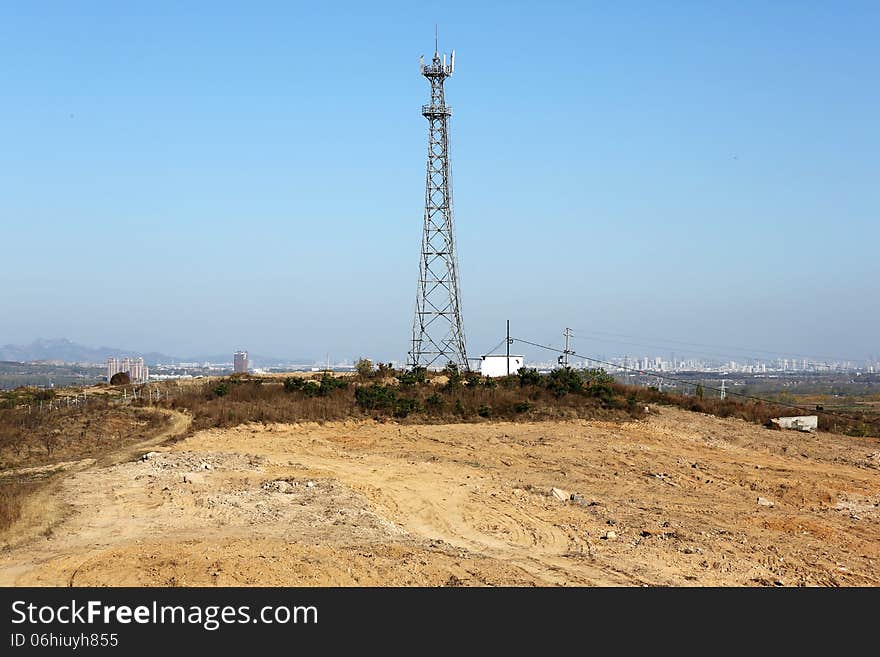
<point x="112" y="367"/>
<point x="137" y="371"/>
<point x="240" y="362"/>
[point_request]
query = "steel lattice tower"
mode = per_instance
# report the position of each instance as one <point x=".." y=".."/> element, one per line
<point x="437" y="334"/>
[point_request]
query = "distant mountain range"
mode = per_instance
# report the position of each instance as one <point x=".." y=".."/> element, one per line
<point x="62" y="349"/>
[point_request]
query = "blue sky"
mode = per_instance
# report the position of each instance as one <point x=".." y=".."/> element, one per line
<point x="198" y="177"/>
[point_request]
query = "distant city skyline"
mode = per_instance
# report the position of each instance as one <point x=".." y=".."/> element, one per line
<point x="186" y="180"/>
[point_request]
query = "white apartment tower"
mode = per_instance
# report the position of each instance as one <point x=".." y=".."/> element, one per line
<point x="137" y="371"/>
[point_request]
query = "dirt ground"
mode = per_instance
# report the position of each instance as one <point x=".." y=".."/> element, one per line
<point x="676" y="499"/>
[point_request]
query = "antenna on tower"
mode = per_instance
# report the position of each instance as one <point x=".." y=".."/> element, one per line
<point x="436" y="39"/>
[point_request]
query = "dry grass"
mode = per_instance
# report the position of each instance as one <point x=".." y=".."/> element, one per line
<point x="32" y="438"/>
<point x="261" y="400"/>
<point x="267" y="400"/>
<point x="850" y="423"/>
<point x="12" y="496"/>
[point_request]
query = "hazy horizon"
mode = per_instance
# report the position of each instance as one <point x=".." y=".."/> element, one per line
<point x="192" y="180"/>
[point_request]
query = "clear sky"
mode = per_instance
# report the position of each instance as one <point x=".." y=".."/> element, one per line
<point x="198" y="177"/>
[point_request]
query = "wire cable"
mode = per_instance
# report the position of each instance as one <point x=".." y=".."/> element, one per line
<point x="742" y="350"/>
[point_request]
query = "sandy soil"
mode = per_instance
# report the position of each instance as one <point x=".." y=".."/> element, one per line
<point x="676" y="499"/>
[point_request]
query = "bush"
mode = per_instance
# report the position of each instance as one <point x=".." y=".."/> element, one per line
<point x="329" y="383"/>
<point x="597" y="375"/>
<point x="522" y="407"/>
<point x="564" y="380"/>
<point x="435" y="402"/>
<point x="507" y="382"/>
<point x="364" y="368"/>
<point x="120" y="379"/>
<point x="416" y="376"/>
<point x="405" y="405"/>
<point x="384" y="370"/>
<point x="600" y="384"/>
<point x="631" y="401"/>
<point x="484" y="411"/>
<point x="453" y="376"/>
<point x="220" y="390"/>
<point x="471" y="379"/>
<point x="528" y="376"/>
<point x="293" y="383"/>
<point x="375" y="397"/>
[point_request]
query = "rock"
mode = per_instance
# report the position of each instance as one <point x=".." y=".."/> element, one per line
<point x="763" y="501"/>
<point x="559" y="494"/>
<point x="149" y="455"/>
<point x="610" y="535"/>
<point x="310" y="484"/>
<point x="206" y="466"/>
<point x="280" y="486"/>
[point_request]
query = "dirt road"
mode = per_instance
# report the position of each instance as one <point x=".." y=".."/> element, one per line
<point x="676" y="499"/>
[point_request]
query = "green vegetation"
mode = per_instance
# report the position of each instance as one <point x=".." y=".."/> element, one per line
<point x="120" y="379"/>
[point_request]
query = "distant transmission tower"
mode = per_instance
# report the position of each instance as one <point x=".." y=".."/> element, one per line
<point x="437" y="334"/>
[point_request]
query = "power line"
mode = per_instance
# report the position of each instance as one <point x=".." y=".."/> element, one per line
<point x="701" y="352"/>
<point x="716" y="346"/>
<point x="691" y="383"/>
<point x="496" y="346"/>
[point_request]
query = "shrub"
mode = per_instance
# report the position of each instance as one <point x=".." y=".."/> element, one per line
<point x="416" y="376"/>
<point x="120" y="379"/>
<point x="631" y="402"/>
<point x="330" y="383"/>
<point x="405" y="405"/>
<point x="435" y="402"/>
<point x="564" y="380"/>
<point x="528" y="376"/>
<point x="522" y="407"/>
<point x="597" y="375"/>
<point x="472" y="379"/>
<point x="293" y="383"/>
<point x="364" y="368"/>
<point x="484" y="411"/>
<point x="453" y="376"/>
<point x="375" y="397"/>
<point x="221" y="389"/>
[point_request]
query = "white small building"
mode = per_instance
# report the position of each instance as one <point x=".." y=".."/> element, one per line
<point x="798" y="422"/>
<point x="496" y="365"/>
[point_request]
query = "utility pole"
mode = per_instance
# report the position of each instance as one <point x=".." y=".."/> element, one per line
<point x="508" y="347"/>
<point x="723" y="391"/>
<point x="567" y="335"/>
